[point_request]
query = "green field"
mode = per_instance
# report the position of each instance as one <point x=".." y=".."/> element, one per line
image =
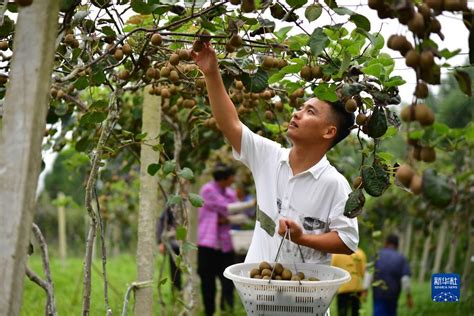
<point x="67" y="279"/>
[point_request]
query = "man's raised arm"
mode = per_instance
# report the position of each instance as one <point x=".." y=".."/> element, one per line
<point x="222" y="107"/>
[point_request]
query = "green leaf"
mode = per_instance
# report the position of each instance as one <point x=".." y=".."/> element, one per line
<point x="464" y="81"/>
<point x="281" y="33"/>
<point x="195" y="200"/>
<point x="141" y="7"/>
<point x="375" y="179"/>
<point x="7" y="27"/>
<point x="326" y="92"/>
<point x="92" y="118"/>
<point x="377" y="125"/>
<point x="471" y="46"/>
<point x="181" y="233"/>
<point x="394" y="81"/>
<point x="354" y="204"/>
<point x="98" y="75"/>
<point x="153" y="168"/>
<point x="186" y="173"/>
<point x="374" y="70"/>
<point x="296" y="3"/>
<point x="448" y="54"/>
<point x="360" y="21"/>
<point x="188" y="246"/>
<point x="174" y="199"/>
<point x="140" y="136"/>
<point x="276" y="77"/>
<point x="292" y="69"/>
<point x="273" y="128"/>
<point x="296" y="42"/>
<point x="256" y="82"/>
<point x="436" y="188"/>
<point x="82" y="145"/>
<point x="98" y="105"/>
<point x="385" y="156"/>
<point x="81" y="83"/>
<point x="331" y="3"/>
<point x="313" y="12"/>
<point x="343" y="11"/>
<point x="318" y="41"/>
<point x="169" y="166"/>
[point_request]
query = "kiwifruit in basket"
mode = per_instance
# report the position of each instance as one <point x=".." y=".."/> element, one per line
<point x="286" y="274"/>
<point x="295" y="278"/>
<point x="266" y="277"/>
<point x="266" y="272"/>
<point x="264" y="265"/>
<point x="277" y="277"/>
<point x="301" y="275"/>
<point x="257" y="276"/>
<point x="313" y="279"/>
<point x="254" y="272"/>
<point x="278" y="269"/>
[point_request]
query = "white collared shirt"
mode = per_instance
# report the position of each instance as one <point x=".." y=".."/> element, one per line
<point x="314" y="198"/>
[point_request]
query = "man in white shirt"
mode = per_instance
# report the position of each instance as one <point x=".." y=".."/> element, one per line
<point x="297" y="188"/>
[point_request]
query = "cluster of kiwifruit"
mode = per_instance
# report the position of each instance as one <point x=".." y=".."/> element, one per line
<point x="246" y="6"/>
<point x="270" y="62"/>
<point x="407" y="176"/>
<point x="418" y="112"/>
<point x="264" y="271"/>
<point x="234" y="43"/>
<point x="296" y="98"/>
<point x="70" y="40"/>
<point x="311" y="72"/>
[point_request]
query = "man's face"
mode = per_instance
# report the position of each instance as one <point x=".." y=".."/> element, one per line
<point x="312" y="123"/>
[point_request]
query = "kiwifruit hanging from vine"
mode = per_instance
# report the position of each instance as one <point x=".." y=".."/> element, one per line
<point x="416" y="184"/>
<point x="118" y="54"/>
<point x="361" y="118"/>
<point x="184" y="54"/>
<point x="375" y="4"/>
<point x="316" y="71"/>
<point x="124" y="74"/>
<point x="428" y="154"/>
<point x="279" y="106"/>
<point x="412" y="58"/>
<point x="151" y="73"/>
<point x="426" y="59"/>
<point x="198" y="46"/>
<point x="235" y="2"/>
<point x="127" y="49"/>
<point x="423" y="114"/>
<point x="156" y="39"/>
<point x="165" y="92"/>
<point x="282" y="63"/>
<point x="165" y="72"/>
<point x="351" y="105"/>
<point x="306" y="73"/>
<point x="415" y="152"/>
<point x="407" y="114"/>
<point x="174" y="76"/>
<point x="425" y="11"/>
<point x="205" y="36"/>
<point x="455" y="5"/>
<point x="417" y="24"/>
<point x="435" y="26"/>
<point x="267" y="62"/>
<point x="229" y="48"/>
<point x="404" y="174"/>
<point x="174" y="59"/>
<point x="357" y="182"/>
<point x="248" y="6"/>
<point x="421" y="90"/>
<point x="236" y="41"/>
<point x="406" y="13"/>
<point x="269" y="115"/>
<point x="298" y="93"/>
<point x="434" y="4"/>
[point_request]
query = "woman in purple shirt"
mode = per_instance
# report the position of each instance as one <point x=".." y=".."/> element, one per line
<point x="215" y="251"/>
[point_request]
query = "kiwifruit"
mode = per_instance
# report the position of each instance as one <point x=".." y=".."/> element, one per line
<point x="247" y="6"/>
<point x="306" y="73"/>
<point x="257" y="276"/>
<point x="401" y="44"/>
<point x="267" y="62"/>
<point x="286" y="274"/>
<point x="23" y="3"/>
<point x="235" y="2"/>
<point x="205" y="36"/>
<point x="198" y="46"/>
<point x="174" y="59"/>
<point x="416" y="184"/>
<point x="282" y="63"/>
<point x="156" y="39"/>
<point x="184" y="54"/>
<point x="165" y="92"/>
<point x="385" y="11"/>
<point x="407" y="114"/>
<point x="68" y="39"/>
<point x="254" y="272"/>
<point x="189" y="103"/>
<point x="301" y="275"/>
<point x="405" y="14"/>
<point x="229" y="48"/>
<point x="124" y="74"/>
<point x="264" y="265"/>
<point x="455" y="5"/>
<point x="269" y="115"/>
<point x="74" y="43"/>
<point x="426" y="59"/>
<point x="151" y="73"/>
<point x="173" y="89"/>
<point x="421" y="90"/>
<point x="165" y="71"/>
<point x="404" y="174"/>
<point x="391" y="41"/>
<point x="313" y="279"/>
<point x="416" y="153"/>
<point x="277" y="277"/>
<point x="239" y="85"/>
<point x="174" y="76"/>
<point x="351" y="105"/>
<point x="236" y="41"/>
<point x="361" y="118"/>
<point x="375" y="4"/>
<point x="428" y="154"/>
<point x="357" y="182"/>
<point x="200" y="83"/>
<point x="435" y="26"/>
<point x="276" y="63"/>
<point x="127" y="49"/>
<point x="425" y="11"/>
<point x="299" y="93"/>
<point x="412" y="58"/>
<point x="434" y="4"/>
<point x="267" y="95"/>
<point x="266" y="272"/>
<point x="60" y="94"/>
<point x="295" y="278"/>
<point x="278" y="106"/>
<point x="53" y="92"/>
<point x="424" y="114"/>
<point x="144" y="62"/>
<point x="417" y="24"/>
<point x="326" y="77"/>
<point x="278" y="268"/>
<point x="3" y="45"/>
<point x="118" y="55"/>
<point x="316" y="71"/>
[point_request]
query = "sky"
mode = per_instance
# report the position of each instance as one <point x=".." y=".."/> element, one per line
<point x="456" y="37"/>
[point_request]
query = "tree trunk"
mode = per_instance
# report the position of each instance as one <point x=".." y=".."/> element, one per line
<point x="407" y="239"/>
<point x="62" y="229"/>
<point x="440" y="246"/>
<point x="414" y="260"/>
<point x="466" y="279"/>
<point x="24" y="119"/>
<point x="453" y="247"/>
<point x="148" y="204"/>
<point x="426" y="252"/>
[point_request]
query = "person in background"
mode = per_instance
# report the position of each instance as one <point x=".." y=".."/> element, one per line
<point x="391" y="276"/>
<point x="215" y="250"/>
<point x="350" y="294"/>
<point x="167" y="243"/>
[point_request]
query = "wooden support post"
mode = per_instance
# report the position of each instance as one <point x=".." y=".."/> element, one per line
<point x="24" y="121"/>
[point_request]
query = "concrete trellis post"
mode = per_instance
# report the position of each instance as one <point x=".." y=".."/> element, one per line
<point x="24" y="119"/>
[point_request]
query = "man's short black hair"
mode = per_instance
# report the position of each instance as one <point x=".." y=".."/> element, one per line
<point x="222" y="172"/>
<point x="392" y="239"/>
<point x="344" y="120"/>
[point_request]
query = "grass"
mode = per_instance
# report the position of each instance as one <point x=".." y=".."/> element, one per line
<point x="121" y="272"/>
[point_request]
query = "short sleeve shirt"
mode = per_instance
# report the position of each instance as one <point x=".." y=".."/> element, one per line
<point x="314" y="198"/>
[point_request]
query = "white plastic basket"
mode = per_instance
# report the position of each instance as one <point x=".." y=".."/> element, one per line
<point x="284" y="298"/>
